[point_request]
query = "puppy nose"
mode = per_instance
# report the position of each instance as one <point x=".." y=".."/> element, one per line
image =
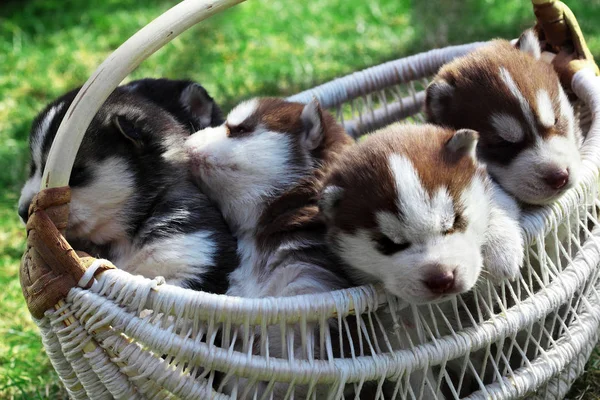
<point x="24" y="211"/>
<point x="557" y="179"/>
<point x="440" y="282"/>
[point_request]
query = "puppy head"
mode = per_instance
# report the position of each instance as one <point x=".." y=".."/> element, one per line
<point x="129" y="153"/>
<point x="408" y="207"/>
<point x="265" y="146"/>
<point x="529" y="137"/>
<point x="186" y="100"/>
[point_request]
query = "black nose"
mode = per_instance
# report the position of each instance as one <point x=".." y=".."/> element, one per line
<point x="24" y="211"/>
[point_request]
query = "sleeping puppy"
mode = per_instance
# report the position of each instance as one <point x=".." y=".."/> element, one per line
<point x="131" y="199"/>
<point x="263" y="168"/>
<point x="529" y="137"/>
<point x="412" y="208"/>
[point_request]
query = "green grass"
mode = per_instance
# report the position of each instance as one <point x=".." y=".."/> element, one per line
<point x="262" y="47"/>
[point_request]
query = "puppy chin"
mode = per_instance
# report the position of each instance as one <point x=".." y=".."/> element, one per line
<point x="423" y="297"/>
<point x="543" y="197"/>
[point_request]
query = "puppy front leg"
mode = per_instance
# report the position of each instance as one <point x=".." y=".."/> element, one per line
<point x="503" y="247"/>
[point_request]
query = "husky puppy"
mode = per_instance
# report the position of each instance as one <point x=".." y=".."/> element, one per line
<point x="412" y="208"/>
<point x="529" y="137"/>
<point x="263" y="168"/>
<point x="132" y="200"/>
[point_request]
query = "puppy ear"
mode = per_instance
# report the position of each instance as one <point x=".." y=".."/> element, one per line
<point x="130" y="128"/>
<point x="437" y="98"/>
<point x="463" y="143"/>
<point x="329" y="200"/>
<point x="529" y="43"/>
<point x="197" y="101"/>
<point x="312" y="120"/>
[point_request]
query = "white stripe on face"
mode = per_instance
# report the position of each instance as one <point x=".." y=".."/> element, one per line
<point x="514" y="90"/>
<point x="508" y="127"/>
<point x="42" y="131"/>
<point x="242" y="112"/>
<point x="422" y="212"/>
<point x="545" y="109"/>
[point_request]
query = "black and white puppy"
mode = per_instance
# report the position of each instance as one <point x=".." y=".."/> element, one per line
<point x="132" y="201"/>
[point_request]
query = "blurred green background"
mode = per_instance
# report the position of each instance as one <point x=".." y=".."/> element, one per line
<point x="262" y="47"/>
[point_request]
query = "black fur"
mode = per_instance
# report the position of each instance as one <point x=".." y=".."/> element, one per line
<point x="165" y="202"/>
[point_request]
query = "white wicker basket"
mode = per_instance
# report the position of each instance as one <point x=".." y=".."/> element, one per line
<point x="529" y="338"/>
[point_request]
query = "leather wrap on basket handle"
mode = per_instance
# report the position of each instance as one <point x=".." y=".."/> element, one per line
<point x="559" y="29"/>
<point x="50" y="267"/>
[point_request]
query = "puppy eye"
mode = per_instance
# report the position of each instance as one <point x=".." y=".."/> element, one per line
<point x="555" y="120"/>
<point x="387" y="246"/>
<point x="238" y="130"/>
<point x="458" y="225"/>
<point x="128" y="129"/>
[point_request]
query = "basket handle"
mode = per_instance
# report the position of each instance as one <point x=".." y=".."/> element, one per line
<point x="111" y="73"/>
<point x="562" y="34"/>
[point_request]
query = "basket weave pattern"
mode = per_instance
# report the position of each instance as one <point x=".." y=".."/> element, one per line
<point x="507" y="341"/>
<point x="113" y="335"/>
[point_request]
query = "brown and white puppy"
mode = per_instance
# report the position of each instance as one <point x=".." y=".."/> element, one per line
<point x="411" y="207"/>
<point x="262" y="168"/>
<point x="132" y="201"/>
<point x="528" y="134"/>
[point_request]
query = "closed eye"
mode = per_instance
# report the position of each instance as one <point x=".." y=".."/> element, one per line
<point x="460" y="224"/>
<point x="238" y="130"/>
<point x="387" y="246"/>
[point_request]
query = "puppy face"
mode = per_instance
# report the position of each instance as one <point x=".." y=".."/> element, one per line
<point x="529" y="138"/>
<point x="264" y="146"/>
<point x="129" y="148"/>
<point x="408" y="207"/>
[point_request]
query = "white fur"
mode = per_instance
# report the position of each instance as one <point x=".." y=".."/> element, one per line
<point x="96" y="208"/>
<point x="545" y="109"/>
<point x="423" y="222"/>
<point x="567" y="112"/>
<point x="503" y="248"/>
<point x="525" y="174"/>
<point x="178" y="259"/>
<point x="30" y="189"/>
<point x="420" y="212"/>
<point x="244" y="280"/>
<point x="242" y="112"/>
<point x="525" y="106"/>
<point x="241" y="173"/>
<point x="33" y="184"/>
<point x="40" y="136"/>
<point x="529" y="44"/>
<point x="508" y="127"/>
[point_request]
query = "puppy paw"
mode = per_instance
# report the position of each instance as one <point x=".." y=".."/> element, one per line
<point x="503" y="249"/>
<point x="503" y="256"/>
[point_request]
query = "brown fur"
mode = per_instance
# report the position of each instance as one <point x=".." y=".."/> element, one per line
<point x="296" y="209"/>
<point x="479" y="92"/>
